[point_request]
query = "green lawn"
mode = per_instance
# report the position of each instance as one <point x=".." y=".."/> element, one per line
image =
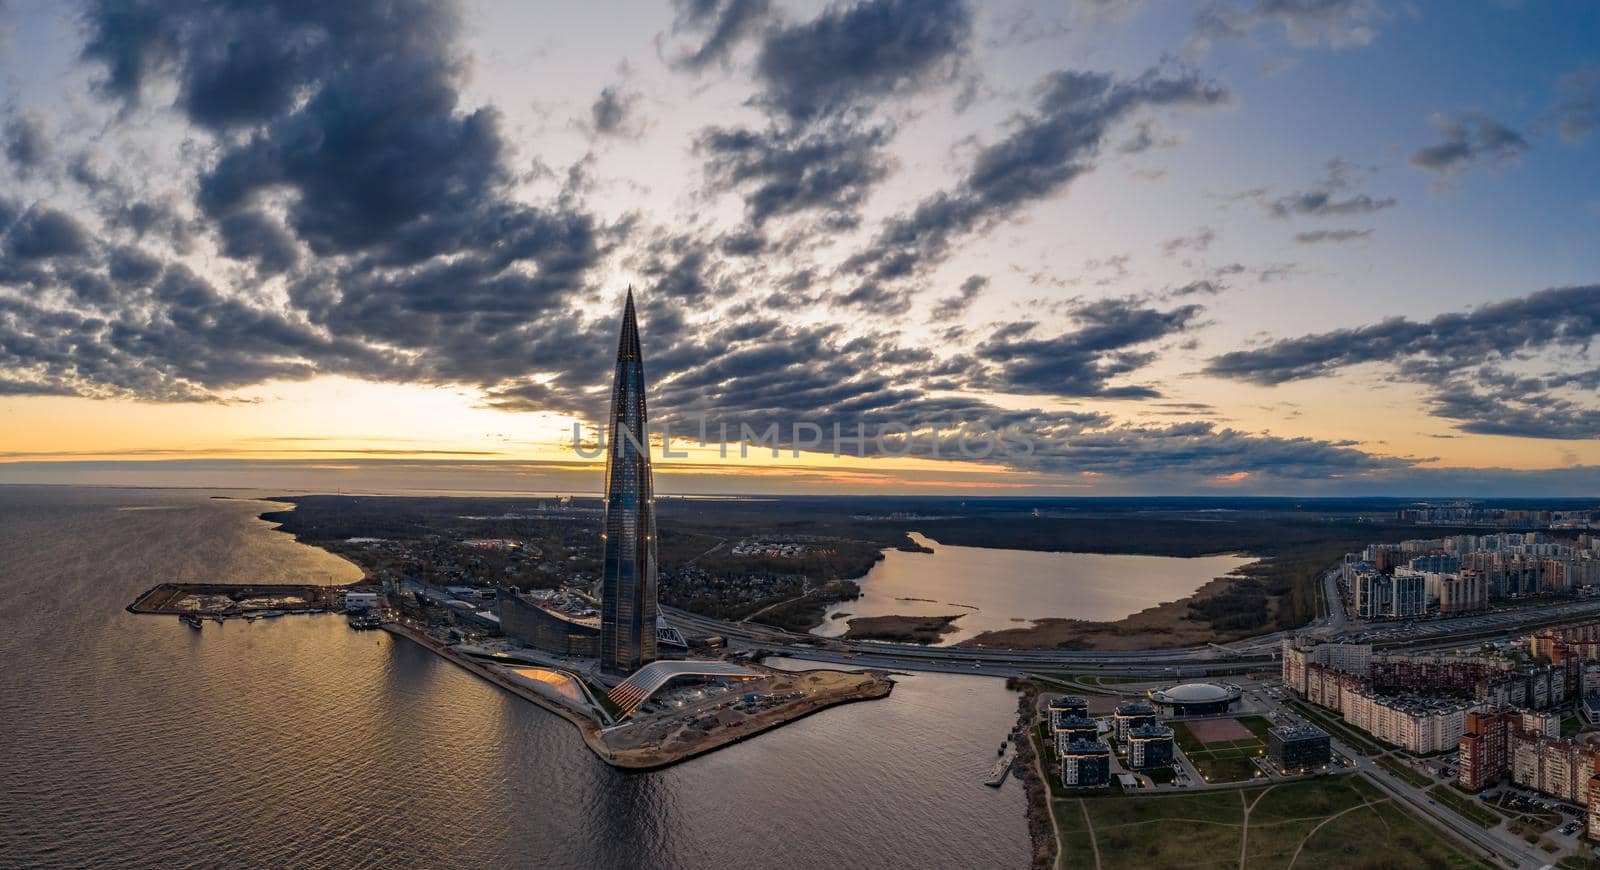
<point x="1227" y="761"/>
<point x="1258" y="726"/>
<point x="1335" y="822"/>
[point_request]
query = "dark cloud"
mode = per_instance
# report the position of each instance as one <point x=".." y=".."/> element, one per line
<point x="724" y="23"/>
<point x="1463" y="359"/>
<point x="133" y="40"/>
<point x="858" y="53"/>
<point x="1332" y="196"/>
<point x="616" y="113"/>
<point x="1470" y="138"/>
<point x="819" y="81"/>
<point x="44" y="233"/>
<point x="1202" y="287"/>
<point x="132" y="267"/>
<point x="11" y="387"/>
<point x="1082" y="362"/>
<point x="1559" y="316"/>
<point x="1318" y="236"/>
<point x="832" y="169"/>
<point x="240" y="64"/>
<point x="251" y="235"/>
<point x="1046" y="149"/>
<point x="1493" y="402"/>
<point x="378" y="160"/>
<point x="1321" y="203"/>
<point x="423" y="265"/>
<point x="26" y="144"/>
<point x="187" y="342"/>
<point x="1577" y="111"/>
<point x="951" y="307"/>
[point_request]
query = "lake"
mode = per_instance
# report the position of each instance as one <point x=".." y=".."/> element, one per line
<point x="998" y="589"/>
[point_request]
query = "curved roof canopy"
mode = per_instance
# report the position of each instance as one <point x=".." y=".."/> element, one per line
<point x="1194" y="693"/>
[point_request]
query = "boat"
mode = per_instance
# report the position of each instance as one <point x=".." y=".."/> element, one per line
<point x="364" y="621"/>
<point x="191" y="620"/>
<point x="1002" y="767"/>
<point x="269" y="614"/>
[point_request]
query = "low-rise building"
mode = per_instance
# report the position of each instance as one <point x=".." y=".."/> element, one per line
<point x="1194" y="699"/>
<point x="1298" y="748"/>
<point x="548" y="628"/>
<point x="360" y="600"/>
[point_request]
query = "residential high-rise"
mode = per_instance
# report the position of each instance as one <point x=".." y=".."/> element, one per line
<point x="1086" y="764"/>
<point x="628" y="579"/>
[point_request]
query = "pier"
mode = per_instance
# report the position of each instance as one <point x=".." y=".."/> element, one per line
<point x="228" y="600"/>
<point x="1002" y="765"/>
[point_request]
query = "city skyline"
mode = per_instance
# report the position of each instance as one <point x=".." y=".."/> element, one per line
<point x="1185" y="249"/>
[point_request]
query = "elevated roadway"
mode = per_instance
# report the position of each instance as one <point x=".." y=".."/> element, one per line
<point x="1193" y="661"/>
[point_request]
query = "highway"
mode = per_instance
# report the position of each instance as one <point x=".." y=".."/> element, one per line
<point x="1193" y="661"/>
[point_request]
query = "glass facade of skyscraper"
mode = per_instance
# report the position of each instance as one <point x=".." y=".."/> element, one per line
<point x="628" y="579"/>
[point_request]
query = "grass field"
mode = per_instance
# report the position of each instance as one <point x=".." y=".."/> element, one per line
<point x="1328" y="822"/>
<point x="1224" y="761"/>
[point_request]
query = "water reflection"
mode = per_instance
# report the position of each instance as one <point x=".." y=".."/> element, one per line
<point x="994" y="590"/>
<point x="296" y="741"/>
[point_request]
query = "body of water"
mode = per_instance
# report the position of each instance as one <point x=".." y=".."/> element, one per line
<point x="997" y="589"/>
<point x="133" y="740"/>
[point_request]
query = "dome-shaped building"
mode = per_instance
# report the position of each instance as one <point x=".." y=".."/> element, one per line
<point x="1195" y="699"/>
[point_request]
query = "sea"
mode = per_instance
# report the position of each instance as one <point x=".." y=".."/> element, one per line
<point x="129" y="740"/>
<point x="995" y="589"/>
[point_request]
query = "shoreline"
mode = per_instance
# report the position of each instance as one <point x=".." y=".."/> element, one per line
<point x="1162" y="626"/>
<point x="869" y="686"/>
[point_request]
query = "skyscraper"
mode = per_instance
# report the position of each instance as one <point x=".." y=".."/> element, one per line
<point x="628" y="579"/>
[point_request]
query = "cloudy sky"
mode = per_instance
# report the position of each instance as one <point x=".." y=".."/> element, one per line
<point x="1244" y="246"/>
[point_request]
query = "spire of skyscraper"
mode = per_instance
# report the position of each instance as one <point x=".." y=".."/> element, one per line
<point x="628" y="578"/>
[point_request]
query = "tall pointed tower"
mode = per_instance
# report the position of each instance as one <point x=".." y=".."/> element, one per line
<point x="628" y="580"/>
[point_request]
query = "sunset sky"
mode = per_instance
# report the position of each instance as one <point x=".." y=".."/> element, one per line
<point x="1237" y="247"/>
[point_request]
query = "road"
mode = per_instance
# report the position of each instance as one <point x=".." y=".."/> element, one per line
<point x="1183" y="662"/>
